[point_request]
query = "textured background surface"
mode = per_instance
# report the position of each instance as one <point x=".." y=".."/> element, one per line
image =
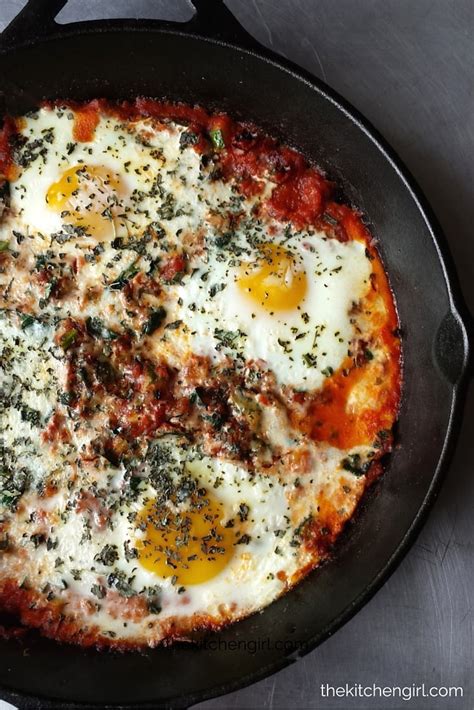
<point x="408" y="65"/>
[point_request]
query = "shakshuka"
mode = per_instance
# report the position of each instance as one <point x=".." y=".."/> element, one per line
<point x="200" y="370"/>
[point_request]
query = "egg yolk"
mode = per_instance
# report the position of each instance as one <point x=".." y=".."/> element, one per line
<point x="275" y="282"/>
<point x="191" y="545"/>
<point x="85" y="195"/>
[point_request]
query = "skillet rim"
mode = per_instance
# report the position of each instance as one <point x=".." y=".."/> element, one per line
<point x="457" y="309"/>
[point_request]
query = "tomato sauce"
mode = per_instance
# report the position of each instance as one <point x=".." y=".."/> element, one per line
<point x="6" y="158"/>
<point x="57" y="429"/>
<point x="85" y="122"/>
<point x="174" y="266"/>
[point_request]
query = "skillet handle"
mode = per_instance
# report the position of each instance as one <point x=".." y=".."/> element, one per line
<point x="453" y="345"/>
<point x="211" y="20"/>
<point x="34" y="21"/>
<point x="215" y="21"/>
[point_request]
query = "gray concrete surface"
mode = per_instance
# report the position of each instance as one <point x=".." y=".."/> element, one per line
<point x="408" y="65"/>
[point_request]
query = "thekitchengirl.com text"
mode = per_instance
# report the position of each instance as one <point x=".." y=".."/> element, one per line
<point x="404" y="692"/>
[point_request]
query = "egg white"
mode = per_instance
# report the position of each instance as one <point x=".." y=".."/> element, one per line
<point x="117" y="148"/>
<point x="337" y="277"/>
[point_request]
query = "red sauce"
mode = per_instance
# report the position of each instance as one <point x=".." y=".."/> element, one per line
<point x="300" y="199"/>
<point x="89" y="504"/>
<point x="144" y="420"/>
<point x="8" y="130"/>
<point x="329" y="419"/>
<point x="57" y="429"/>
<point x="319" y="534"/>
<point x="172" y="267"/>
<point x="85" y="122"/>
<point x="144" y="107"/>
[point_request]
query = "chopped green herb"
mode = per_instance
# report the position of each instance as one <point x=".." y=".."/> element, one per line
<point x="188" y="138"/>
<point x="33" y="416"/>
<point x="119" y="581"/>
<point x="223" y="240"/>
<point x="68" y="338"/>
<point x="97" y="329"/>
<point x="66" y="398"/>
<point x="49" y="291"/>
<point x="26" y="321"/>
<point x="131" y="553"/>
<point x="243" y="512"/>
<point x="285" y="344"/>
<point x="310" y="360"/>
<point x="153" y="605"/>
<point x="108" y="555"/>
<point x="127" y="275"/>
<point x="38" y="539"/>
<point x="215" y="419"/>
<point x="354" y="464"/>
<point x="228" y="338"/>
<point x="217" y="138"/>
<point x="9" y="498"/>
<point x="154" y="321"/>
<point x="174" y="325"/>
<point x="98" y="590"/>
<point x="12" y="485"/>
<point x="167" y="209"/>
<point x="215" y="288"/>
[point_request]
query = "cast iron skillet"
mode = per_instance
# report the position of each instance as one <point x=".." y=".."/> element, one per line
<point x="212" y="61"/>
